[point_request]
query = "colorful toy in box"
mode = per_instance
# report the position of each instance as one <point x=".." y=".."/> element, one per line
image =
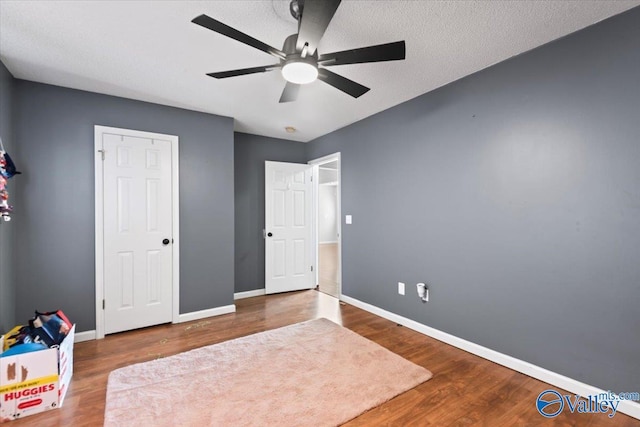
<point x="45" y="330"/>
<point x="23" y="348"/>
<point x="50" y="328"/>
<point x="18" y="335"/>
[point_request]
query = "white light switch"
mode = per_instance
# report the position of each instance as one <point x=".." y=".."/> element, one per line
<point x="347" y="219"/>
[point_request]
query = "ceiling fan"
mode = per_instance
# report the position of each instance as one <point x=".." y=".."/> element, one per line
<point x="299" y="59"/>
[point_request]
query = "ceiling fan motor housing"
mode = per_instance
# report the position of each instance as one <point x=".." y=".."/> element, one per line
<point x="297" y="68"/>
<point x="289" y="48"/>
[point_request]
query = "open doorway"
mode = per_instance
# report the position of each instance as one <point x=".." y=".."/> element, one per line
<point x="327" y="219"/>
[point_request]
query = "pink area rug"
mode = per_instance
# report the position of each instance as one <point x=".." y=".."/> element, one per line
<point x="314" y="373"/>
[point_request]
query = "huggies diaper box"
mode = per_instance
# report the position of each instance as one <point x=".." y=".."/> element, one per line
<point x="35" y="381"/>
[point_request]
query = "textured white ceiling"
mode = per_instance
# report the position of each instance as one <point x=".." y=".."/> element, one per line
<point x="150" y="51"/>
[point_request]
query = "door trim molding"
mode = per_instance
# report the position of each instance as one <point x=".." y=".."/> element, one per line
<point x="99" y="218"/>
<point x="316" y="190"/>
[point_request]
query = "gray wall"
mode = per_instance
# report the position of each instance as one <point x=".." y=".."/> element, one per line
<point x="515" y="193"/>
<point x="7" y="282"/>
<point x="251" y="151"/>
<point x="55" y="226"/>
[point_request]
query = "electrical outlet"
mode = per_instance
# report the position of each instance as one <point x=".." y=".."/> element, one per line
<point x="401" y="288"/>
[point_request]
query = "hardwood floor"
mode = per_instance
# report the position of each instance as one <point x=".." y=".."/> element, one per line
<point x="465" y="389"/>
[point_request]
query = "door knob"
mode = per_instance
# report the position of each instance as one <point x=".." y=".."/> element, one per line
<point x="165" y="242"/>
<point x="269" y="234"/>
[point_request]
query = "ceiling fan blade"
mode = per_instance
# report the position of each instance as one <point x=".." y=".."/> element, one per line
<point x="344" y="84"/>
<point x="290" y="92"/>
<point x="316" y="15"/>
<point x="242" y="71"/>
<point x="382" y="52"/>
<point x="217" y="26"/>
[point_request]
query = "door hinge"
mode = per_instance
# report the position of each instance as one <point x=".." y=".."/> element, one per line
<point x="312" y="268"/>
<point x="311" y="178"/>
<point x="103" y="304"/>
<point x="101" y="153"/>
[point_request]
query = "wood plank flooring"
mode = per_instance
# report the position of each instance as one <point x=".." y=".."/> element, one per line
<point x="465" y="389"/>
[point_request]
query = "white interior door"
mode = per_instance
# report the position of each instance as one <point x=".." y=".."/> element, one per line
<point x="137" y="208"/>
<point x="288" y="227"/>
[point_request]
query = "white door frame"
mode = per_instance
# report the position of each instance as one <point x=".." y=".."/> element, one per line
<point x="99" y="218"/>
<point x="316" y="191"/>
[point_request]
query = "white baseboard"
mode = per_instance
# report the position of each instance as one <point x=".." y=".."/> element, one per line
<point x="248" y="294"/>
<point x="197" y="315"/>
<point x="84" y="336"/>
<point x="628" y="407"/>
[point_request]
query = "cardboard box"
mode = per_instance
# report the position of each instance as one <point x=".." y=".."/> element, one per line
<point x="34" y="382"/>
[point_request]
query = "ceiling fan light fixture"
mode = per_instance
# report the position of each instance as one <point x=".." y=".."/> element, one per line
<point x="299" y="72"/>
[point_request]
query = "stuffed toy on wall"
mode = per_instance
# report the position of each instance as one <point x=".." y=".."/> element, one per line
<point x="7" y="170"/>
